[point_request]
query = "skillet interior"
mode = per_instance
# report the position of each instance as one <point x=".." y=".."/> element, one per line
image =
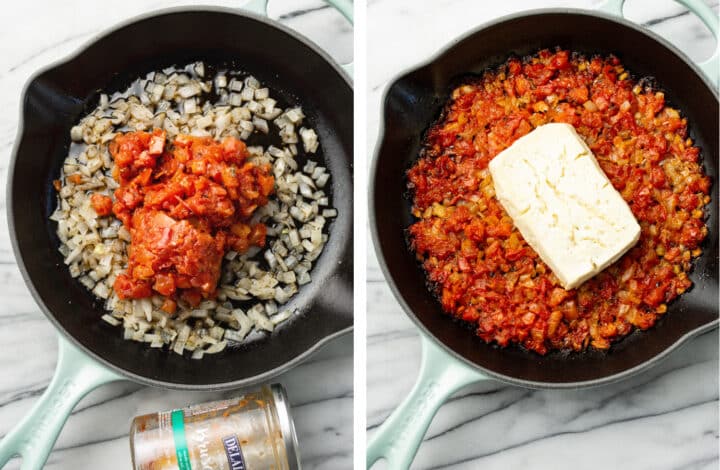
<point x="55" y="99"/>
<point x="415" y="100"/>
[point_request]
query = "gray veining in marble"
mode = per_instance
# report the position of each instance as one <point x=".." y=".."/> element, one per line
<point x="666" y="418"/>
<point x="34" y="34"/>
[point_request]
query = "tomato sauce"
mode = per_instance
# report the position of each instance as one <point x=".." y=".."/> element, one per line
<point x="185" y="204"/>
<point x="484" y="272"/>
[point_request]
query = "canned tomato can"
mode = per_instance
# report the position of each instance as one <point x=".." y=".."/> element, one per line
<point x="251" y="432"/>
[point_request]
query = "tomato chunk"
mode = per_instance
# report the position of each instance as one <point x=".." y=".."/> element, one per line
<point x="102" y="204"/>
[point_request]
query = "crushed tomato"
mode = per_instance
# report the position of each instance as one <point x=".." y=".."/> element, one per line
<point x="185" y="205"/>
<point x="476" y="260"/>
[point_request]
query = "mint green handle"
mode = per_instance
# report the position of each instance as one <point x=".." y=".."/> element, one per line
<point x="711" y="66"/>
<point x="345" y="7"/>
<point x="399" y="437"/>
<point x="257" y="6"/>
<point x="34" y="437"/>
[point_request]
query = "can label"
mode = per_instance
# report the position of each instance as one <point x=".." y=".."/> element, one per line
<point x="181" y="448"/>
<point x="238" y="434"/>
<point x="234" y="452"/>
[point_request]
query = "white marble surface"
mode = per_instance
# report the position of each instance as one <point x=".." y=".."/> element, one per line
<point x="666" y="418"/>
<point x="36" y="33"/>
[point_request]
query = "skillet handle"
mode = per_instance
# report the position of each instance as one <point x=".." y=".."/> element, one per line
<point x="257" y="6"/>
<point x="345" y="7"/>
<point x="34" y="436"/>
<point x="397" y="440"/>
<point x="711" y="66"/>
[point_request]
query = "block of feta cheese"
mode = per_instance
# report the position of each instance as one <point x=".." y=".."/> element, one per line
<point x="562" y="202"/>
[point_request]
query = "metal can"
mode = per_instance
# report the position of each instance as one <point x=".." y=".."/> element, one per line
<point x="250" y="432"/>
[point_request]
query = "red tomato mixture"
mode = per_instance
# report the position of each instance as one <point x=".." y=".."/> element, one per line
<point x="480" y="266"/>
<point x="184" y="204"/>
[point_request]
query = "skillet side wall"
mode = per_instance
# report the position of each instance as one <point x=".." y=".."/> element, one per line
<point x="415" y="100"/>
<point x="54" y="101"/>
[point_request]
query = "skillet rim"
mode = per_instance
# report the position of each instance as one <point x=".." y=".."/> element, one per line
<point x="372" y="216"/>
<point x="218" y="386"/>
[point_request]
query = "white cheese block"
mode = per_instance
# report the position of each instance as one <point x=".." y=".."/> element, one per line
<point x="562" y="202"/>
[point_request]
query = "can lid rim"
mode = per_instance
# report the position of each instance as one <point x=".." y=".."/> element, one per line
<point x="287" y="426"/>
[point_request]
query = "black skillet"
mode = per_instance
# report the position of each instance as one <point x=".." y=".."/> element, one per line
<point x="452" y="355"/>
<point x="93" y="353"/>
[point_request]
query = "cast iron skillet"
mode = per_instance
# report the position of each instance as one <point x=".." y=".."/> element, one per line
<point x="290" y="65"/>
<point x="412" y="102"/>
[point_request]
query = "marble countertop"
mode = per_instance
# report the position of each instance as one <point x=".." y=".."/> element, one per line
<point x="666" y="418"/>
<point x="38" y="33"/>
